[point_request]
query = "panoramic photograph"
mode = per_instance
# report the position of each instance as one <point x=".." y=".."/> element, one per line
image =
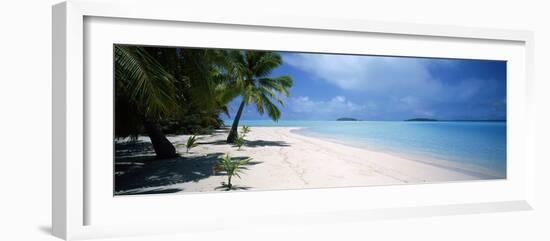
<point x="191" y="120"/>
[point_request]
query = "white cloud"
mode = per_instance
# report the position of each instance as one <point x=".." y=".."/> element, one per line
<point x="399" y="86"/>
<point x="407" y="81"/>
<point x="370" y="73"/>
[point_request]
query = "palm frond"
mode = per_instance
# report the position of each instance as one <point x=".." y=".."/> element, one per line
<point x="272" y="110"/>
<point x="280" y="84"/>
<point x="271" y="94"/>
<point x="265" y="62"/>
<point x="146" y="83"/>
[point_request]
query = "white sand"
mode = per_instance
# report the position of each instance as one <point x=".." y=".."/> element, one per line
<point x="286" y="160"/>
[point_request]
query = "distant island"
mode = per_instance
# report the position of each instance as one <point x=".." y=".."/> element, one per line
<point x="346" y="119"/>
<point x="421" y="119"/>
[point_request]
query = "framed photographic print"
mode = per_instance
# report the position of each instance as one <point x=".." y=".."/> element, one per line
<point x="226" y="119"/>
<point x="184" y="115"/>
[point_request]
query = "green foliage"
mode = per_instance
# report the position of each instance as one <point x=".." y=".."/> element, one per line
<point x="144" y="82"/>
<point x="198" y="95"/>
<point x="239" y="142"/>
<point x="194" y="124"/>
<point x="191" y="142"/>
<point x="183" y="90"/>
<point x="250" y="72"/>
<point x="144" y="89"/>
<point x="245" y="130"/>
<point x="231" y="168"/>
<point x="186" y="90"/>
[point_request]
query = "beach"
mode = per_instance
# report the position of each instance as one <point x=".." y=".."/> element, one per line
<point x="280" y="159"/>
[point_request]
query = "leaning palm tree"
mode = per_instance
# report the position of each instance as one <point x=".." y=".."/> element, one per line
<point x="251" y="71"/>
<point x="145" y="95"/>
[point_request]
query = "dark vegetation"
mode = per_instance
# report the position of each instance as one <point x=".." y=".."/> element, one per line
<point x="421" y="119"/>
<point x="161" y="91"/>
<point x="346" y="119"/>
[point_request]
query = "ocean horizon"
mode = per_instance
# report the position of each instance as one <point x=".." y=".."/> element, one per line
<point x="476" y="147"/>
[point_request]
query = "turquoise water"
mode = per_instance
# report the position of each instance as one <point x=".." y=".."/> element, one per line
<point x="480" y="145"/>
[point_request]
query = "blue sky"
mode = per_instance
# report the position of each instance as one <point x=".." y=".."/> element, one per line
<point x="328" y="86"/>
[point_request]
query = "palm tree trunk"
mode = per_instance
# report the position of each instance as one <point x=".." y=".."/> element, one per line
<point x="163" y="147"/>
<point x="233" y="133"/>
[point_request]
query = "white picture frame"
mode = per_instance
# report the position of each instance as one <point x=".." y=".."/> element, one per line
<point x="75" y="201"/>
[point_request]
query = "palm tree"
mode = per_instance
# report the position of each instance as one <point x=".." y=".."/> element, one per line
<point x="202" y="92"/>
<point x="158" y="87"/>
<point x="145" y="95"/>
<point x="250" y="71"/>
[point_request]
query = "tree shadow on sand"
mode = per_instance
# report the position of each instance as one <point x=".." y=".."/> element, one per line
<point x="262" y="143"/>
<point x="142" y="173"/>
<point x="134" y="149"/>
<point x="137" y="171"/>
<point x="218" y="142"/>
<point x="249" y="143"/>
<point x="153" y="191"/>
<point x="225" y="187"/>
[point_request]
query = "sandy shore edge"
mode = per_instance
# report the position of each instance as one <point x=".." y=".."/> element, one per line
<point x="283" y="159"/>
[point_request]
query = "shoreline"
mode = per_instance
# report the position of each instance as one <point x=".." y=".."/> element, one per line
<point x="281" y="159"/>
<point x="470" y="169"/>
